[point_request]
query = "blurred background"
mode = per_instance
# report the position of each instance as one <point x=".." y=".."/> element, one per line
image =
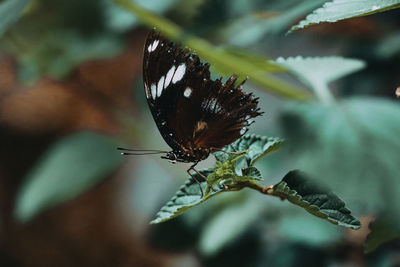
<point x="71" y="91"/>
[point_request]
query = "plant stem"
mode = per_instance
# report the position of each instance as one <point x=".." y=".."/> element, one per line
<point x="265" y="190"/>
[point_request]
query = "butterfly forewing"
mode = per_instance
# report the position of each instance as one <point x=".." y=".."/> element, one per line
<point x="192" y="112"/>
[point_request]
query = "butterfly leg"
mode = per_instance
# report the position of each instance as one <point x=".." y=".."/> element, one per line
<point x="197" y="181"/>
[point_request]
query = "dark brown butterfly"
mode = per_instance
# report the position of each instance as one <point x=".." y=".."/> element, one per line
<point x="194" y="114"/>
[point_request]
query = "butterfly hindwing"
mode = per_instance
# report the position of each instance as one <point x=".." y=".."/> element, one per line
<point x="191" y="110"/>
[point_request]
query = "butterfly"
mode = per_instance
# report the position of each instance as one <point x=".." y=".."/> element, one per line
<point x="194" y="114"/>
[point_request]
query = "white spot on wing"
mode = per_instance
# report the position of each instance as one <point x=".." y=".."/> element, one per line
<point x="187" y="92"/>
<point x="160" y="86"/>
<point x="179" y="73"/>
<point x="153" y="46"/>
<point x="170" y="73"/>
<point x="243" y="130"/>
<point x="153" y="88"/>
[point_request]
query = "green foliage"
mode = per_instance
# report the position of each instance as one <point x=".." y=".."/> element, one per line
<point x="344" y="9"/>
<point x="315" y="198"/>
<point x="70" y="167"/>
<point x="354" y="144"/>
<point x="9" y="12"/>
<point x="225" y="177"/>
<point x="55" y="37"/>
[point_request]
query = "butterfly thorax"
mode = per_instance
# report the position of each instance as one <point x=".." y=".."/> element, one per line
<point x="187" y="155"/>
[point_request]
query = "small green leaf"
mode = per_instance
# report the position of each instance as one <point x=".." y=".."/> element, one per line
<point x="70" y="167"/>
<point x="9" y="12"/>
<point x="258" y="146"/>
<point x="315" y="198"/>
<point x="344" y="9"/>
<point x="188" y="196"/>
<point x="383" y="229"/>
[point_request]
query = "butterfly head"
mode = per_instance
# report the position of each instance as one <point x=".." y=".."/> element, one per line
<point x="171" y="157"/>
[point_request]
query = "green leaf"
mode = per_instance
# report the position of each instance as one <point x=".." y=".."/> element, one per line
<point x="344" y="9"/>
<point x="188" y="196"/>
<point x="224" y="177"/>
<point x="317" y="72"/>
<point x="315" y="198"/>
<point x="257" y="146"/>
<point x="9" y="12"/>
<point x="351" y="145"/>
<point x="383" y="229"/>
<point x="70" y="167"/>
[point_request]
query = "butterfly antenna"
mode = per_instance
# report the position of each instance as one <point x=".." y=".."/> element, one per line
<point x="140" y="151"/>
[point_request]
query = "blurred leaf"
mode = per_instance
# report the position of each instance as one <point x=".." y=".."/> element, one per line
<point x="345" y="9"/>
<point x="224" y="177"/>
<point x="225" y="226"/>
<point x="9" y="12"/>
<point x="383" y="229"/>
<point x="353" y="145"/>
<point x="251" y="29"/>
<point x="314" y="232"/>
<point x="314" y="71"/>
<point x="389" y="47"/>
<point x="55" y="37"/>
<point x="70" y="167"/>
<point x="315" y="198"/>
<point x="62" y="51"/>
<point x="317" y="72"/>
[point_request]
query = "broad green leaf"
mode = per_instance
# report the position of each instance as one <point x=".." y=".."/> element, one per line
<point x="315" y="198"/>
<point x="257" y="146"/>
<point x="352" y="145"/>
<point x="70" y="167"/>
<point x="9" y="12"/>
<point x="344" y="9"/>
<point x="317" y="72"/>
<point x="383" y="229"/>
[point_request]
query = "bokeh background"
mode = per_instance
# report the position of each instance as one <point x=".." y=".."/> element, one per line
<point x="71" y="91"/>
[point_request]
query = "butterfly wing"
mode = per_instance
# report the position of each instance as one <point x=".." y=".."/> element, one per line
<point x="191" y="110"/>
